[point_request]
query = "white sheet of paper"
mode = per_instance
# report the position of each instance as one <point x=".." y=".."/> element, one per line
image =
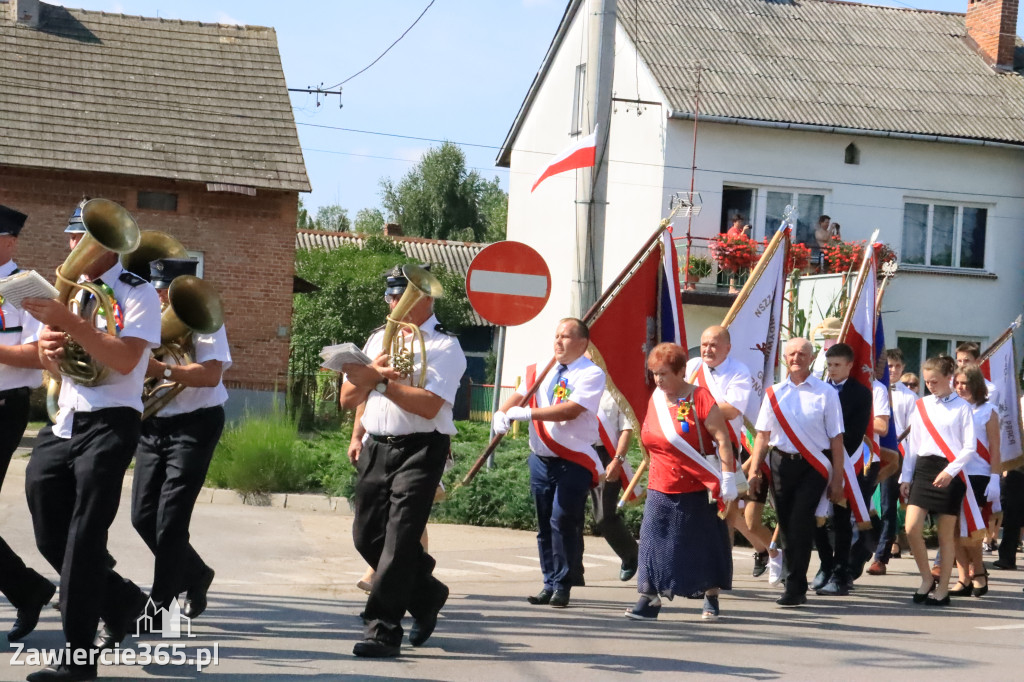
<point x="342" y="354"/>
<point x="27" y="284"/>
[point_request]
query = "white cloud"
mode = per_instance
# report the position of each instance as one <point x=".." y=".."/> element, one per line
<point x="225" y="18"/>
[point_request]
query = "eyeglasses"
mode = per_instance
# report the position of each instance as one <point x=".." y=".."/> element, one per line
<point x="391" y="298"/>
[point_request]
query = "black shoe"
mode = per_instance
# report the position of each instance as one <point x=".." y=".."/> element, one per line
<point x="195" y="598"/>
<point x="422" y="628"/>
<point x="999" y="565"/>
<point x="627" y="571"/>
<point x="63" y="673"/>
<point x="820" y="578"/>
<point x="961" y="590"/>
<point x="542" y="597"/>
<point x="28" y="617"/>
<point x="560" y="599"/>
<point x="791" y="600"/>
<point x="113" y="633"/>
<point x="932" y="601"/>
<point x="375" y="648"/>
<point x="760" y="564"/>
<point x="834" y="588"/>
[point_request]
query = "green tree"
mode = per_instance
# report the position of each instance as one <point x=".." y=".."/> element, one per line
<point x="494" y="209"/>
<point x="368" y="221"/>
<point x="440" y="199"/>
<point x="303" y="221"/>
<point x="332" y="218"/>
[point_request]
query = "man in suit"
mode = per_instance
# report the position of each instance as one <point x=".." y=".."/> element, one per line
<point x="833" y="577"/>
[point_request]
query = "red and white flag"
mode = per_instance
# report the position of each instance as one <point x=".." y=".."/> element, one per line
<point x="860" y="336"/>
<point x="581" y="154"/>
<point x="998" y="367"/>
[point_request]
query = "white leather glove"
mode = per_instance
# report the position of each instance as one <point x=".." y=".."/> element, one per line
<point x="992" y="490"/>
<point x="728" y="486"/>
<point x="500" y="423"/>
<point x="519" y="414"/>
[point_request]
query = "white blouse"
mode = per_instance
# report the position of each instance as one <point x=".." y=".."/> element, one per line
<point x="954" y="421"/>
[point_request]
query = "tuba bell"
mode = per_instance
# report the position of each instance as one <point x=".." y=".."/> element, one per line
<point x="153" y="245"/>
<point x="421" y="284"/>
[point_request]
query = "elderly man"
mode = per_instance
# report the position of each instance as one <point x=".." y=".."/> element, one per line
<point x="733" y="389"/>
<point x="563" y="463"/>
<point x="801" y="424"/>
<point x="409" y="432"/>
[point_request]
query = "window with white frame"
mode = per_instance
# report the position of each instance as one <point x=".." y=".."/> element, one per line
<point x="578" y="98"/>
<point x="916" y="349"/>
<point x="809" y="207"/>
<point x="944" y="235"/>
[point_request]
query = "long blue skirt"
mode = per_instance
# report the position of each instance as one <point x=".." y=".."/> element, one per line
<point x="684" y="546"/>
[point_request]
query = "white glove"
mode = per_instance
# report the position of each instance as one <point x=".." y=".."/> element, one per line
<point x="519" y="414"/>
<point x="992" y="490"/>
<point x="500" y="423"/>
<point x="728" y="486"/>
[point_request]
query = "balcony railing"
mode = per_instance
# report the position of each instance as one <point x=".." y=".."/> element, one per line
<point x="716" y="281"/>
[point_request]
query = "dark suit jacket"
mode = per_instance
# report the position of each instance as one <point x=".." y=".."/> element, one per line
<point x="856" y="402"/>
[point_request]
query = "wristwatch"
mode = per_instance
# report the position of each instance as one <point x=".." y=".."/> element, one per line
<point x="382" y="387"/>
<point x="621" y="458"/>
<point x="167" y="371"/>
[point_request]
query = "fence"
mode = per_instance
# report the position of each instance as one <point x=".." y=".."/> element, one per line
<point x="716" y="279"/>
<point x="481" y="398"/>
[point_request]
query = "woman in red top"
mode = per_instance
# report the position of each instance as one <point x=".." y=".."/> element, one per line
<point x="684" y="545"/>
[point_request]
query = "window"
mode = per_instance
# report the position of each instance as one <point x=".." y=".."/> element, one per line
<point x="158" y="201"/>
<point x="917" y="349"/>
<point x="809" y="208"/>
<point x="579" y="97"/>
<point x="944" y="235"/>
<point x="737" y="201"/>
<point x="851" y="155"/>
<point x="198" y="255"/>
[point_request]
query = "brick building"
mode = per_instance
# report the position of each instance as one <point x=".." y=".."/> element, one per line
<point x="187" y="125"/>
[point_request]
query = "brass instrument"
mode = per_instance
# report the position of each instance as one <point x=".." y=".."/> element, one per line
<point x="421" y="284"/>
<point x="153" y="245"/>
<point x="194" y="306"/>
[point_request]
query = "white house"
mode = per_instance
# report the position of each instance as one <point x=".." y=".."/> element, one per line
<point x="895" y="119"/>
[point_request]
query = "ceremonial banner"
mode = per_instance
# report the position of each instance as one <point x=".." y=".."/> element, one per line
<point x="580" y="154"/>
<point x="858" y="332"/>
<point x="998" y="365"/>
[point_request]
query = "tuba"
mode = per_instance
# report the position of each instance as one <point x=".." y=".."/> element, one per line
<point x="153" y="245"/>
<point x="421" y="284"/>
<point x="193" y="306"/>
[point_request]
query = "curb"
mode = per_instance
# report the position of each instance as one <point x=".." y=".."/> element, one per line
<point x="306" y="502"/>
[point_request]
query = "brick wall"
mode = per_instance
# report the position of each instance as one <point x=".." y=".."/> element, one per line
<point x="992" y="25"/>
<point x="248" y="246"/>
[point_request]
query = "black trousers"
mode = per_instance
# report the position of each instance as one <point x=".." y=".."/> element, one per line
<point x="74" y="487"/>
<point x="835" y="539"/>
<point x="1013" y="516"/>
<point x="170" y="467"/>
<point x="605" y="500"/>
<point x="394" y="493"/>
<point x="797" y="487"/>
<point x="19" y="583"/>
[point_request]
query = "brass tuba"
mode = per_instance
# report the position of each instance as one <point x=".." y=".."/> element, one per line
<point x="153" y="245"/>
<point x="109" y="227"/>
<point x="421" y="284"/>
<point x="194" y="306"/>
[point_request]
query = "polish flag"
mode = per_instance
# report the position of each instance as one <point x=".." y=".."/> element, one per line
<point x="580" y="154"/>
<point x="860" y="336"/>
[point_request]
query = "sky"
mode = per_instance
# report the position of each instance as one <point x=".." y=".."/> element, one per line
<point x="459" y="74"/>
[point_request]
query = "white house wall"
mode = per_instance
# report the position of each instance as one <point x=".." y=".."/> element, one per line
<point x="871" y="196"/>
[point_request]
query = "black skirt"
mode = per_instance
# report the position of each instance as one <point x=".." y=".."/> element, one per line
<point x="926" y="496"/>
<point x="978" y="485"/>
<point x="684" y="546"/>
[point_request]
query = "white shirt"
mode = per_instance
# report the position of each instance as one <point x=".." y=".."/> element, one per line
<point x="140" y="308"/>
<point x="733" y="384"/>
<point x="446" y="364"/>
<point x="903" y="400"/>
<point x="976" y="464"/>
<point x="207" y="347"/>
<point x="610" y="414"/>
<point x="953" y="419"/>
<point x="585" y="383"/>
<point x="17" y="328"/>
<point x="813" y="405"/>
<point x="879" y="408"/>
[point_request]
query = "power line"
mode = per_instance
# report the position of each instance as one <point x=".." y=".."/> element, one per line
<point x="429" y="5"/>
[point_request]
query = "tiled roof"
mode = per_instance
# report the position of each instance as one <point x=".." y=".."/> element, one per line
<point x="102" y="92"/>
<point x="818" y="63"/>
<point x="454" y="256"/>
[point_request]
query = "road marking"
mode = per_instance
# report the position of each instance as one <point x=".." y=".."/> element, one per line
<point x="536" y="560"/>
<point x="457" y="573"/>
<point x="509" y="283"/>
<point x="1003" y="627"/>
<point x="513" y="568"/>
<point x="604" y="557"/>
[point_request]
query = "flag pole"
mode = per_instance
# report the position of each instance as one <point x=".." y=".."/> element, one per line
<point x="609" y="293"/>
<point x="858" y="286"/>
<point x="1003" y="338"/>
<point x="755" y="275"/>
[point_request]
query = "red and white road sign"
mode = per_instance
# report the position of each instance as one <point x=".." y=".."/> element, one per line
<point x="508" y="283"/>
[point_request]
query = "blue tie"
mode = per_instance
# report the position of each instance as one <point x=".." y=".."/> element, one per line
<point x="554" y="384"/>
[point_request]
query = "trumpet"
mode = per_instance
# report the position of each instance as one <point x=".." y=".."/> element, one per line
<point x="421" y="284"/>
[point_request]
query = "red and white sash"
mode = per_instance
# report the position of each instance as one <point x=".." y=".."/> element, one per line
<point x="983" y="451"/>
<point x="664" y="427"/>
<point x="704" y="381"/>
<point x="970" y="512"/>
<point x="549" y="436"/>
<point x="611" y="446"/>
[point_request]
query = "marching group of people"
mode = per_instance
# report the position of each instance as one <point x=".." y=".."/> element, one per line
<point x="817" y="455"/>
<point x="74" y="475"/>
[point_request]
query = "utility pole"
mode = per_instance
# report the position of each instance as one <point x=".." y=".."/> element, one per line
<point x="592" y="183"/>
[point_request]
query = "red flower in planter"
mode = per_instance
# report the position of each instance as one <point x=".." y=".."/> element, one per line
<point x="798" y="258"/>
<point x="734" y="253"/>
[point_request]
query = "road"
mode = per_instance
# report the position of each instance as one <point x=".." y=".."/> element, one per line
<point x="284" y="606"/>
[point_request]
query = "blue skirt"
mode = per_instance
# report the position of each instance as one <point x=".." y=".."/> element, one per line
<point x="684" y="546"/>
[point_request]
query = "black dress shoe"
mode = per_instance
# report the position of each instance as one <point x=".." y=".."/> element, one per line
<point x="63" y="673"/>
<point x="28" y="616"/>
<point x="834" y="588"/>
<point x="627" y="571"/>
<point x="113" y="633"/>
<point x="542" y="597"/>
<point x="560" y="599"/>
<point x="422" y="628"/>
<point x="999" y="565"/>
<point x="791" y="600"/>
<point x="932" y="601"/>
<point x="195" y="598"/>
<point x="820" y="579"/>
<point x="375" y="648"/>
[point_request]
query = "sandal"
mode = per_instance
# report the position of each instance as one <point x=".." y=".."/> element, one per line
<point x="711" y="610"/>
<point x="980" y="591"/>
<point x="962" y="590"/>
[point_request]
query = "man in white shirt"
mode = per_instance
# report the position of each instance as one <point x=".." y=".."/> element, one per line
<point x="563" y="463"/>
<point x="73" y="480"/>
<point x="174" y="454"/>
<point x="801" y="423"/>
<point x="409" y="432"/>
<point x="20" y="372"/>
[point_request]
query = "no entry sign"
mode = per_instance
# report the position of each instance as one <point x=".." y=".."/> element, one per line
<point x="508" y="283"/>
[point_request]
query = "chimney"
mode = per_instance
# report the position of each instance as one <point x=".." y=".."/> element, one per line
<point x="392" y="230"/>
<point x="992" y="27"/>
<point x="24" y="12"/>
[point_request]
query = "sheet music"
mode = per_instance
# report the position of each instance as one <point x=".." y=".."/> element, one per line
<point x="27" y="284"/>
<point x="341" y="354"/>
